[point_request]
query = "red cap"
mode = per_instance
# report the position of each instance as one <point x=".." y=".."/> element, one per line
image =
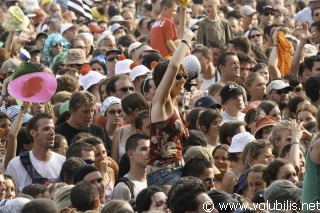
<point x="264" y="122"/>
<point x="96" y="29"/>
<point x="252" y="105"/>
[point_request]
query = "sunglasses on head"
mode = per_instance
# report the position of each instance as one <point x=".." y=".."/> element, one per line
<point x="113" y="111"/>
<point x="280" y="91"/>
<point x="179" y="76"/>
<point x="125" y="89"/>
<point x="257" y="35"/>
<point x="298" y="89"/>
<point x="112" y="58"/>
<point x="268" y="13"/>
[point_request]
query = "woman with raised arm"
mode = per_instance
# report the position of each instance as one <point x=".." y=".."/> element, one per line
<point x="168" y="130"/>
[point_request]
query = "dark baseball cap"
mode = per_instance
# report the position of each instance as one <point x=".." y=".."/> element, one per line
<point x="229" y="91"/>
<point x="207" y="102"/>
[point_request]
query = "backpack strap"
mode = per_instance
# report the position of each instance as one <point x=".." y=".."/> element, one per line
<point x="26" y="162"/>
<point x="129" y="184"/>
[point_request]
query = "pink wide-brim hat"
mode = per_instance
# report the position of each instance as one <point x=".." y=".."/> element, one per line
<point x="38" y="87"/>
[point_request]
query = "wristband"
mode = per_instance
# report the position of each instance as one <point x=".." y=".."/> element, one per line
<point x="184" y="41"/>
<point x="24" y="110"/>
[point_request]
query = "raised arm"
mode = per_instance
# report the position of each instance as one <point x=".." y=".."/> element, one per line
<point x="13" y="133"/>
<point x="182" y="22"/>
<point x="273" y="58"/>
<point x="305" y="36"/>
<point x="163" y="90"/>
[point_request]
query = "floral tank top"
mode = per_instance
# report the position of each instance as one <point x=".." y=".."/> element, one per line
<point x="167" y="138"/>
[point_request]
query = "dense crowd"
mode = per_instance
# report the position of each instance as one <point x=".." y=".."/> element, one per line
<point x="159" y="106"/>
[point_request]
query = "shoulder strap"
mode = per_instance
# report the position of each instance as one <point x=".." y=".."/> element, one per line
<point x="129" y="184"/>
<point x="35" y="176"/>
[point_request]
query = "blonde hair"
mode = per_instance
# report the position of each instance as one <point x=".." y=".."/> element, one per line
<point x="252" y="150"/>
<point x="276" y="134"/>
<point x="250" y="79"/>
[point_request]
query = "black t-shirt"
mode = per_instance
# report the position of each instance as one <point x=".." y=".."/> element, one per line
<point x="69" y="132"/>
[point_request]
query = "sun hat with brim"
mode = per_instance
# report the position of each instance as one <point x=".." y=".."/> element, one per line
<point x="278" y="85"/>
<point x="22" y="69"/>
<point x="16" y="20"/>
<point x="264" y="122"/>
<point x="66" y="27"/>
<point x="117" y="18"/>
<point x="13" y="111"/>
<point x="133" y="46"/>
<point x="37" y="87"/>
<point x="91" y="78"/>
<point x="76" y="56"/>
<point x="10" y="65"/>
<point x="239" y="141"/>
<point x="146" y="48"/>
<point x="252" y="105"/>
<point x="139" y="71"/>
<point x="123" y="66"/>
<point x="108" y="102"/>
<point x="115" y="27"/>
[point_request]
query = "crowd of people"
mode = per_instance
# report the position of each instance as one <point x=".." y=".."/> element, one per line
<point x="160" y="106"/>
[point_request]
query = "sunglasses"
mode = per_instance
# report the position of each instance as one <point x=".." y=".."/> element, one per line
<point x="280" y="91"/>
<point x="56" y="45"/>
<point x="298" y="89"/>
<point x="179" y="76"/>
<point x="113" y="111"/>
<point x="268" y="13"/>
<point x="125" y="89"/>
<point x="316" y="14"/>
<point x="88" y="161"/>
<point x="112" y="58"/>
<point x="257" y="35"/>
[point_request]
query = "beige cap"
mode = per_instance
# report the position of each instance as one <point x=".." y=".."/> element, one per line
<point x="146" y="48"/>
<point x="76" y="56"/>
<point x="10" y="65"/>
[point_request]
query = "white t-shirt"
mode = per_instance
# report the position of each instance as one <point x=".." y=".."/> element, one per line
<point x="205" y="83"/>
<point x="226" y="117"/>
<point x="121" y="190"/>
<point x="50" y="169"/>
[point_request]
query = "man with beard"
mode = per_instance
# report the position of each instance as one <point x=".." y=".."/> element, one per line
<point x="41" y="160"/>
<point x="278" y="91"/>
